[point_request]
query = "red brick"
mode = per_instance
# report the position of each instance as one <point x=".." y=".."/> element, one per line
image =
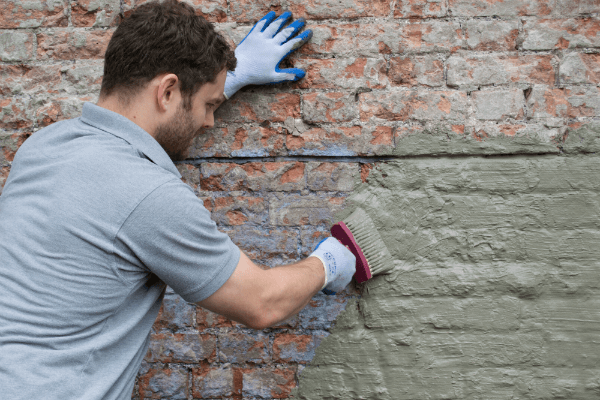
<point x="494" y="35"/>
<point x="578" y="68"/>
<point x="84" y="77"/>
<point x="234" y="140"/>
<point x="4" y="170"/>
<point x="212" y="382"/>
<point x="545" y="102"/>
<point x="574" y="8"/>
<point x="414" y="104"/>
<point x="416" y="70"/>
<point x="259" y="107"/>
<point x="9" y="144"/>
<point x="243" y="347"/>
<point x="499" y="104"/>
<point x="29" y="79"/>
<point x="181" y="347"/>
<point x="266" y="247"/>
<point x="254" y="176"/>
<point x="493" y="70"/>
<point x="341" y="141"/>
<point x="431" y="36"/>
<point x="420" y="8"/>
<point x="95" y="13"/>
<point x="345" y="73"/>
<point x="23" y="14"/>
<point x="160" y="383"/>
<point x="190" y="175"/>
<point x="321" y="312"/>
<point x="475" y="8"/>
<point x="268" y="382"/>
<point x="323" y="9"/>
<point x="329" y="107"/>
<point x="212" y="10"/>
<point x="175" y="313"/>
<point x="59" y="109"/>
<point x="385" y="38"/>
<point x="73" y="44"/>
<point x="294" y="348"/>
<point x="239" y="210"/>
<point x="15" y="113"/>
<point x="251" y="10"/>
<point x="551" y="34"/>
<point x="332" y="176"/>
<point x="311" y="236"/>
<point x="297" y="210"/>
<point x="207" y="319"/>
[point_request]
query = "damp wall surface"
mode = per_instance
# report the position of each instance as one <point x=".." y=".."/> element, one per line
<point x="471" y="112"/>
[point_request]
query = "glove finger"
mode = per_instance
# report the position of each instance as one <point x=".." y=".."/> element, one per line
<point x="289" y="31"/>
<point x="297" y="42"/>
<point x="289" y="74"/>
<point x="260" y="25"/>
<point x="265" y="22"/>
<point x="274" y="27"/>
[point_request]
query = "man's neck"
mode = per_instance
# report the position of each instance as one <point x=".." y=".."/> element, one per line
<point x="133" y="111"/>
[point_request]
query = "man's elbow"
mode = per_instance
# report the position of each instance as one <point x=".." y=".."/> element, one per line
<point x="266" y="313"/>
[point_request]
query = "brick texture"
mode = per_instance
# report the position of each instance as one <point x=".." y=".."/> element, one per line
<point x="414" y="81"/>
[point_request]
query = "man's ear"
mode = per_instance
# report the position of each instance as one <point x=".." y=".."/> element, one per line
<point x="168" y="94"/>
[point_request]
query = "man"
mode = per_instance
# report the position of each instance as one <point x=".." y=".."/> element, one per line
<point x="95" y="222"/>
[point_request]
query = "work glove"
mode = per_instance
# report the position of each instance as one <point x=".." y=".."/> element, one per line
<point x="339" y="263"/>
<point x="262" y="50"/>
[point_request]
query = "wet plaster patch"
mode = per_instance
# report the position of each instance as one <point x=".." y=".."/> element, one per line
<point x="494" y="292"/>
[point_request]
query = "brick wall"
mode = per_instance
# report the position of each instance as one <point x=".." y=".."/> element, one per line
<point x="396" y="79"/>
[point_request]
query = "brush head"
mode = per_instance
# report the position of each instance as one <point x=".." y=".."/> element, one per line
<point x="341" y="232"/>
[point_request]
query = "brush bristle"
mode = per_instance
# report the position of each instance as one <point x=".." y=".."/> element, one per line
<point x="368" y="238"/>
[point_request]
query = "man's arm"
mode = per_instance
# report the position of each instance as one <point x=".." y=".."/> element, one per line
<point x="260" y="298"/>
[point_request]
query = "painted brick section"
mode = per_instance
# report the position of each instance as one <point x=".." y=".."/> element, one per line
<point x="483" y="282"/>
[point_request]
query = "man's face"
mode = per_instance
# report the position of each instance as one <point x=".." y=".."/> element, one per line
<point x="176" y="136"/>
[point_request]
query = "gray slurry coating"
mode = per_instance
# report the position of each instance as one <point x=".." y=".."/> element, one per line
<point x="495" y="288"/>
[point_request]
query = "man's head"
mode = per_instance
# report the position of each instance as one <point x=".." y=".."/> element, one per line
<point x="159" y="38"/>
<point x="165" y="69"/>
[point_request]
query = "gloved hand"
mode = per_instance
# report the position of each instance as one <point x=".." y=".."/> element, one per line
<point x="262" y="50"/>
<point x="339" y="262"/>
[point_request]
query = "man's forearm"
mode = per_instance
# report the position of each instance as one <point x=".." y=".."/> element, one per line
<point x="294" y="286"/>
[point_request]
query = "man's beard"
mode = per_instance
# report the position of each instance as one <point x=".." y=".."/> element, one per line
<point x="176" y="136"/>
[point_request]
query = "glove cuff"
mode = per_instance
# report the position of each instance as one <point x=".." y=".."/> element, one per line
<point x="232" y="85"/>
<point x="324" y="267"/>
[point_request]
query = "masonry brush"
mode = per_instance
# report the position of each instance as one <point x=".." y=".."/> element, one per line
<point x="358" y="233"/>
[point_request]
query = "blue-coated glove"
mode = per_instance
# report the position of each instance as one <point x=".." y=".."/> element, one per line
<point x="262" y="50"/>
<point x="339" y="263"/>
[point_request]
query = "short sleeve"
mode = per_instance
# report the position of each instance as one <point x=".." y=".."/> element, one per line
<point x="173" y="236"/>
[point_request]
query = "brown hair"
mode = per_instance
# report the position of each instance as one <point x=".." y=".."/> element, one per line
<point x="161" y="38"/>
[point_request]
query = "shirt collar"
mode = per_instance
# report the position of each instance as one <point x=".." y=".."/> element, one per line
<point x="121" y="127"/>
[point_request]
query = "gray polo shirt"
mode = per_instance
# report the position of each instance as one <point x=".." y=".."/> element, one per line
<point x="94" y="223"/>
